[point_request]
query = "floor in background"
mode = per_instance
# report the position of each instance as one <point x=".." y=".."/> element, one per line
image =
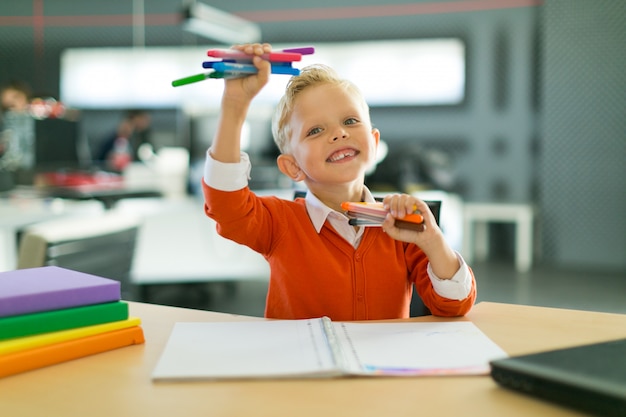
<point x="497" y="282"/>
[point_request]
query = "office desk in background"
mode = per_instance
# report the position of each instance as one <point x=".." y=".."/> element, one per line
<point x="117" y="383"/>
<point x="20" y="210"/>
<point x="108" y="195"/>
<point x="26" y="205"/>
<point x="179" y="244"/>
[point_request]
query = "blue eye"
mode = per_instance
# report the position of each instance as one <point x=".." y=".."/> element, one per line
<point x="314" y="131"/>
<point x="351" y="121"/>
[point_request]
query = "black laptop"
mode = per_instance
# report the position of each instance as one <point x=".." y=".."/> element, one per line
<point x="589" y="378"/>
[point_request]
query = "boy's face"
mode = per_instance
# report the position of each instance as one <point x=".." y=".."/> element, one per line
<point x="332" y="141"/>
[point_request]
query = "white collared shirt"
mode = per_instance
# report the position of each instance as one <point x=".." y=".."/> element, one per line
<point x="320" y="212"/>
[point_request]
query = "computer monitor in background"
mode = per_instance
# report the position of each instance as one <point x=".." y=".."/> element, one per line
<point x="58" y="146"/>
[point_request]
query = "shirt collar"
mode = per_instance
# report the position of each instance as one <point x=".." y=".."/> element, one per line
<point x="319" y="212"/>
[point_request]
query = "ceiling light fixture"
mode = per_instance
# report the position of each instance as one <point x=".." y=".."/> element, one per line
<point x="212" y="23"/>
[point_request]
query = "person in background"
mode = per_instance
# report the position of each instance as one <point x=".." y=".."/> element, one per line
<point x="16" y="133"/>
<point x="122" y="146"/>
<point x="15" y="97"/>
<point x="321" y="265"/>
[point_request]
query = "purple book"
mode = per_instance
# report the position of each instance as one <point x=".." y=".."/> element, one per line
<point x="51" y="288"/>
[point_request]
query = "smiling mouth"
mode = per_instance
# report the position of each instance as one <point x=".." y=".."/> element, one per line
<point x="342" y="154"/>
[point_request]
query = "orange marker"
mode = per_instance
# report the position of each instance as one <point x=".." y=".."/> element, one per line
<point x="373" y="214"/>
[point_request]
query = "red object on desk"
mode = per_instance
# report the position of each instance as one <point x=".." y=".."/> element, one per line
<point x="74" y="179"/>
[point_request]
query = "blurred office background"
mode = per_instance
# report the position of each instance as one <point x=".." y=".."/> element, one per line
<point x="541" y="119"/>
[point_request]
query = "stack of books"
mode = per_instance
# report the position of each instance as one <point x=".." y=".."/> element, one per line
<point x="50" y="315"/>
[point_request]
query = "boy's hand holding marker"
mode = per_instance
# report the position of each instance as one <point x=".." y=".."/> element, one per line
<point x="238" y="62"/>
<point x="374" y="214"/>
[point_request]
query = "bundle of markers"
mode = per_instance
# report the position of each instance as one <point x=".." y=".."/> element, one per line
<point x="373" y="214"/>
<point x="235" y="64"/>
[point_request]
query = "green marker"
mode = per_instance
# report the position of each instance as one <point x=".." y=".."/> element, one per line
<point x="201" y="77"/>
<point x="190" y="80"/>
<point x="227" y="75"/>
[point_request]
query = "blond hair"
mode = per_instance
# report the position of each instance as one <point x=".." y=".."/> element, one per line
<point x="310" y="76"/>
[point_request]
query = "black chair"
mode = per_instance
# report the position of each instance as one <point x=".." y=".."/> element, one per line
<point x="417" y="305"/>
<point x="103" y="245"/>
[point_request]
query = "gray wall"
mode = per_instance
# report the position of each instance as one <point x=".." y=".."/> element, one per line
<point x="490" y="136"/>
<point x="583" y="163"/>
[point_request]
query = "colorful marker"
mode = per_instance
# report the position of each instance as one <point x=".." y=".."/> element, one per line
<point x="419" y="227"/>
<point x="236" y="64"/>
<point x="285" y="55"/>
<point x="363" y="222"/>
<point x="201" y="77"/>
<point x="373" y="214"/>
<point x="377" y="211"/>
<point x="190" y="79"/>
<point x="304" y="50"/>
<point x="270" y="56"/>
<point x="251" y="69"/>
<point x="227" y="75"/>
<point x="209" y="64"/>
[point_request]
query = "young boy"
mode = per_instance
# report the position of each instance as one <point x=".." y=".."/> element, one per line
<point x="320" y="265"/>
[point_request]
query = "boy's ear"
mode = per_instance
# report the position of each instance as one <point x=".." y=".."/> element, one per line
<point x="376" y="134"/>
<point x="287" y="165"/>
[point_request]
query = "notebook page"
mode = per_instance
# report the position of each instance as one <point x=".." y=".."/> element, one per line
<point x="417" y="348"/>
<point x="246" y="349"/>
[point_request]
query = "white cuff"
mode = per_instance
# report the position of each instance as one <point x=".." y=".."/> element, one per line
<point x="456" y="288"/>
<point x="227" y="176"/>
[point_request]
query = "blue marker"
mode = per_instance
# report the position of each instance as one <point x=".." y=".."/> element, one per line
<point x="251" y="69"/>
<point x="209" y="64"/>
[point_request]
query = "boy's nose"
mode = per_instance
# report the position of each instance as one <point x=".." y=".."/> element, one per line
<point x="340" y="135"/>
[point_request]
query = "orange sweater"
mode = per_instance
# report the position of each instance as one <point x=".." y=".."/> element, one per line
<point x="314" y="275"/>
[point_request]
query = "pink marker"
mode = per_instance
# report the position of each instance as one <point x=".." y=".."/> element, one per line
<point x="238" y="55"/>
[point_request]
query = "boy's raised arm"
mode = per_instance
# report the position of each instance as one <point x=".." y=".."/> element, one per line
<point x="238" y="94"/>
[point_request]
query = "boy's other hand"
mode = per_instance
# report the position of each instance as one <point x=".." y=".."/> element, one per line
<point x="399" y="205"/>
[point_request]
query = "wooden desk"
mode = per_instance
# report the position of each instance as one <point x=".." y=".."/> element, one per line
<point x="117" y="383"/>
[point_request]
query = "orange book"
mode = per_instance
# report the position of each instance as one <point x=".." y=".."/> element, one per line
<point x="26" y="360"/>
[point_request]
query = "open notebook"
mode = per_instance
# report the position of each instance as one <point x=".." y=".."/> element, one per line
<point x="322" y="348"/>
<point x="589" y="378"/>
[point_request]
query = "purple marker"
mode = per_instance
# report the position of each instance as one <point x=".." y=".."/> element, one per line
<point x="305" y="50"/>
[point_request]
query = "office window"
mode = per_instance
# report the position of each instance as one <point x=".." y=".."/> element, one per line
<point x="400" y="73"/>
<point x="390" y="73"/>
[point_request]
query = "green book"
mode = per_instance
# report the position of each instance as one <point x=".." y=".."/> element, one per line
<point x="63" y="319"/>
